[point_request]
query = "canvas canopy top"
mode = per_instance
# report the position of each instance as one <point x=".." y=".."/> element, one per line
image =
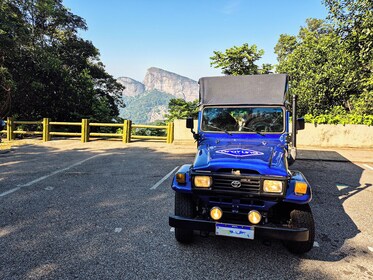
<point x="267" y="89"/>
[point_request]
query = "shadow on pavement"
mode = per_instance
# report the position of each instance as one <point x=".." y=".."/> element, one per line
<point x="334" y="180"/>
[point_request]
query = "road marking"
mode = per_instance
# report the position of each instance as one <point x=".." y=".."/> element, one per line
<point x="342" y="187"/>
<point x="118" y="229"/>
<point x="368" y="166"/>
<point x="9" y="192"/>
<point x="164" y="179"/>
<point x="50" y="175"/>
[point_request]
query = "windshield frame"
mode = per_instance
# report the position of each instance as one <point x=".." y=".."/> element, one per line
<point x="245" y="131"/>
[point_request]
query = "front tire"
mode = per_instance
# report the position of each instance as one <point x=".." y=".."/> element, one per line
<point x="184" y="207"/>
<point x="301" y="218"/>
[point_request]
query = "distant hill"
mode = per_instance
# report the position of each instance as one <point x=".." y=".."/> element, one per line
<point x="147" y="102"/>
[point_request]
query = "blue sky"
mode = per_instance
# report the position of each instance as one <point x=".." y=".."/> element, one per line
<point x="181" y="35"/>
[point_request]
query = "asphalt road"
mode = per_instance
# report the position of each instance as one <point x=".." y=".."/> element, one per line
<point x="100" y="210"/>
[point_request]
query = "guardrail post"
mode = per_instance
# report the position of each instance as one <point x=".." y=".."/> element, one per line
<point x="129" y="131"/>
<point x="46" y="129"/>
<point x="85" y="130"/>
<point x="170" y="133"/>
<point x="125" y="131"/>
<point x="9" y="129"/>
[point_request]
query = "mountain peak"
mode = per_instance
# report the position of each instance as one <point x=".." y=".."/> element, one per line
<point x="132" y="87"/>
<point x="148" y="101"/>
<point x="172" y="83"/>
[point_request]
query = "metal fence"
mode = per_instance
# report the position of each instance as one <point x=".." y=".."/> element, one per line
<point x="126" y="132"/>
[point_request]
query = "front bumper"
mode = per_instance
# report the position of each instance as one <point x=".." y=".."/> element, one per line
<point x="269" y="232"/>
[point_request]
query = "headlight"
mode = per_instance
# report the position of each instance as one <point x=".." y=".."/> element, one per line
<point x="202" y="181"/>
<point x="272" y="186"/>
<point x="180" y="178"/>
<point x="300" y="188"/>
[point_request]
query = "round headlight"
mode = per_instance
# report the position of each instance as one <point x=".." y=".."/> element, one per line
<point x="216" y="213"/>
<point x="254" y="217"/>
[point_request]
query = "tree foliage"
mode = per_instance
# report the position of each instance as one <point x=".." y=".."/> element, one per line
<point x="140" y="108"/>
<point x="240" y="61"/>
<point x="331" y="63"/>
<point x="46" y="69"/>
<point x="181" y="109"/>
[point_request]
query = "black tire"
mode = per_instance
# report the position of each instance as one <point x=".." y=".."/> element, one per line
<point x="302" y="218"/>
<point x="184" y="207"/>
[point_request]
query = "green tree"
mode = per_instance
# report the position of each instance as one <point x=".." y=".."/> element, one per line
<point x="239" y="60"/>
<point x="178" y="108"/>
<point x="285" y="46"/>
<point x="353" y="21"/>
<point x="331" y="63"/>
<point x="47" y="70"/>
<point x="319" y="67"/>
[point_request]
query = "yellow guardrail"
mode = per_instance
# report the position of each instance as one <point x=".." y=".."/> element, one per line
<point x="44" y="128"/>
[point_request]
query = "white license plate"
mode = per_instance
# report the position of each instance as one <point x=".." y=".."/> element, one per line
<point x="230" y="230"/>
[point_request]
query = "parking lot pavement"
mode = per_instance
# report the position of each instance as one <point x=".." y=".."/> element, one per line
<point x="100" y="210"/>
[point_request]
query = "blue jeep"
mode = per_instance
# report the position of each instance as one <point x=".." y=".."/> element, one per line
<point x="240" y="184"/>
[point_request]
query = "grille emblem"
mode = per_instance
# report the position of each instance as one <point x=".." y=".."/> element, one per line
<point x="236" y="184"/>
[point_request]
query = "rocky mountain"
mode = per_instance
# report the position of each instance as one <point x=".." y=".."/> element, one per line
<point x="148" y="101"/>
<point x="133" y="87"/>
<point x="168" y="82"/>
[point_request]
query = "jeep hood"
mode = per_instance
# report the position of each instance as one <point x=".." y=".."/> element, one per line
<point x="262" y="158"/>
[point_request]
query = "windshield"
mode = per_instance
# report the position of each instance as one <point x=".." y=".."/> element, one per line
<point x="243" y="119"/>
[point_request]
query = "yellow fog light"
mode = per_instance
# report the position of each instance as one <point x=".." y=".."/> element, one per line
<point x="300" y="188"/>
<point x="216" y="213"/>
<point x="254" y="217"/>
<point x="180" y="178"/>
<point x="272" y="186"/>
<point x="202" y="181"/>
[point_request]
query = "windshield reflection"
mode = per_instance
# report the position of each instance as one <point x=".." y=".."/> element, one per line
<point x="243" y="119"/>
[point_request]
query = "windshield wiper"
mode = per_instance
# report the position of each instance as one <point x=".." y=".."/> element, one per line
<point x="253" y="130"/>
<point x="220" y="129"/>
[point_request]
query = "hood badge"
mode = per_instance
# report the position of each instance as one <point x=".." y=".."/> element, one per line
<point x="238" y="152"/>
<point x="236" y="172"/>
<point x="236" y="184"/>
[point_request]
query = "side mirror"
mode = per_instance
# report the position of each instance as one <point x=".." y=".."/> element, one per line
<point x="300" y="124"/>
<point x="190" y="123"/>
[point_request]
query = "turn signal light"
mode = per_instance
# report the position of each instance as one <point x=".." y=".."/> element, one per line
<point x="300" y="188"/>
<point x="180" y="178"/>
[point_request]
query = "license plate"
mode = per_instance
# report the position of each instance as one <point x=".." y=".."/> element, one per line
<point x="230" y="230"/>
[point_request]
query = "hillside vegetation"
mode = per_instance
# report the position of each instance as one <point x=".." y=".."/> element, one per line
<point x="140" y="108"/>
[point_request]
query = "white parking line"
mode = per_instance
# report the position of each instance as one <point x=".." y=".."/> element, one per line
<point x="164" y="179"/>
<point x="49" y="175"/>
<point x="9" y="192"/>
<point x="368" y="166"/>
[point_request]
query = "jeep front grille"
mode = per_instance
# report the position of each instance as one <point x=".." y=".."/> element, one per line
<point x="249" y="185"/>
